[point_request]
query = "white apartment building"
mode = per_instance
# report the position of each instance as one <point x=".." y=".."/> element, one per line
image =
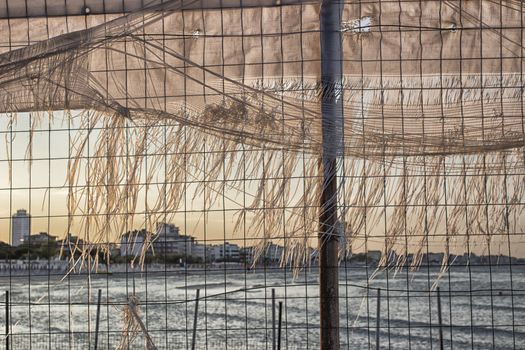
<point x="20" y="227"/>
<point x="200" y="250"/>
<point x="226" y="251"/>
<point x="169" y="241"/>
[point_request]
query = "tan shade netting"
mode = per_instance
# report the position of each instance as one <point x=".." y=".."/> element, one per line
<point x="433" y="115"/>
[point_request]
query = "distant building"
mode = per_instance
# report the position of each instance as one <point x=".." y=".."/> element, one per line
<point x="434" y="259"/>
<point x="39" y="238"/>
<point x="168" y="230"/>
<point x="246" y="254"/>
<point x="132" y="242"/>
<point x="231" y="251"/>
<point x="169" y="241"/>
<point x="114" y="249"/>
<point x="201" y="251"/>
<point x="465" y="259"/>
<point x="225" y="251"/>
<point x="72" y="239"/>
<point x="71" y="243"/>
<point x="20" y="227"/>
<point x="390" y="258"/>
<point x="273" y="252"/>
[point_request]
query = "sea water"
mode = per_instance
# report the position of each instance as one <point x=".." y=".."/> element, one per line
<point x="481" y="308"/>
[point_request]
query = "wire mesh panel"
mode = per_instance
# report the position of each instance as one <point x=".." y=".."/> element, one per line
<point x="164" y="175"/>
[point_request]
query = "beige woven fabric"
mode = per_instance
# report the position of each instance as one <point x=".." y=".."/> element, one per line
<point x="430" y="89"/>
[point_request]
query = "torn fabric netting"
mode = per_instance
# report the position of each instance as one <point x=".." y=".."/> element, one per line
<point x="427" y="115"/>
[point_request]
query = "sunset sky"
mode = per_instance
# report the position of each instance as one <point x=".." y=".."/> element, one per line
<point x="30" y="189"/>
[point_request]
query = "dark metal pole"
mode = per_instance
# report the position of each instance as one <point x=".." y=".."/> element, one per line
<point x="378" y="316"/>
<point x="98" y="318"/>
<point x="273" y="319"/>
<point x="7" y="320"/>
<point x="332" y="114"/>
<point x="194" y="337"/>
<point x="280" y="327"/>
<point x="440" y="320"/>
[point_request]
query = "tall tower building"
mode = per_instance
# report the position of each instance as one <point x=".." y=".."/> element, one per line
<point x="20" y="227"/>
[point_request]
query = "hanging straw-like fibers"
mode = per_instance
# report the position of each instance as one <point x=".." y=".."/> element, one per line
<point x="433" y="115"/>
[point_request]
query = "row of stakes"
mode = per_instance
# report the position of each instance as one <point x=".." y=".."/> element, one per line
<point x="378" y="318"/>
<point x="276" y="343"/>
<point x="276" y="340"/>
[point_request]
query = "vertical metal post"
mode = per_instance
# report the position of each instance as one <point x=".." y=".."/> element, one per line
<point x="7" y="320"/>
<point x="194" y="336"/>
<point x="280" y="325"/>
<point x="133" y="274"/>
<point x="332" y="115"/>
<point x="98" y="318"/>
<point x="273" y="319"/>
<point x="440" y="320"/>
<point x="378" y="316"/>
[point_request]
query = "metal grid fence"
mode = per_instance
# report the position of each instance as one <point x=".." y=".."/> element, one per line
<point x="165" y="169"/>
